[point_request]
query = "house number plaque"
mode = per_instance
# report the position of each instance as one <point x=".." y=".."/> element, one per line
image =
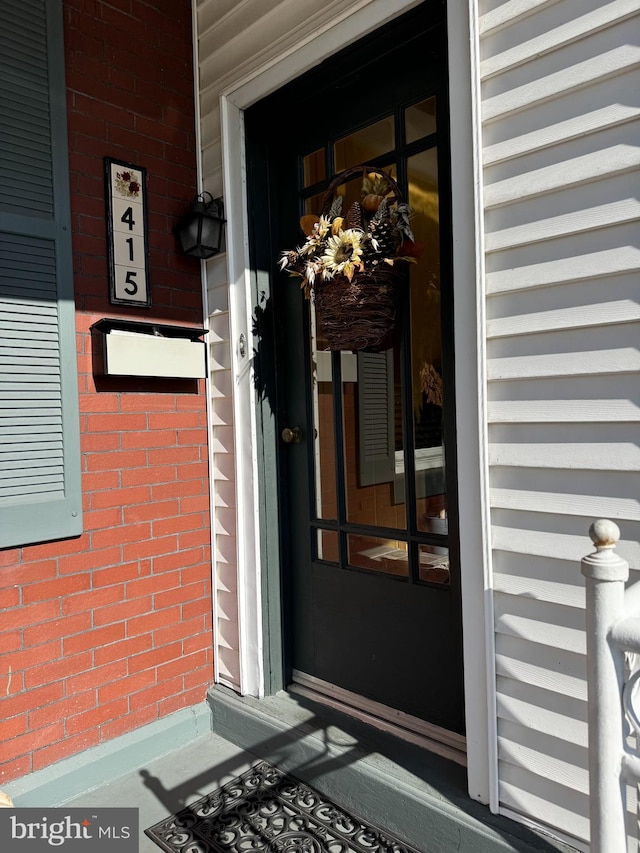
<point x="126" y="193"/>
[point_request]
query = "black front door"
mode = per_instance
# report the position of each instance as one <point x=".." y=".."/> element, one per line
<point x="368" y="505"/>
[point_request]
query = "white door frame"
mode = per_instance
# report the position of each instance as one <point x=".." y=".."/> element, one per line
<point x="469" y="323"/>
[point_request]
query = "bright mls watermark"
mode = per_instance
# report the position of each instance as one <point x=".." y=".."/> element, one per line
<point x="108" y="830"/>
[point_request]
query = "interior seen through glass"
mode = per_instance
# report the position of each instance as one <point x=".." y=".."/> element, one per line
<point x="374" y="458"/>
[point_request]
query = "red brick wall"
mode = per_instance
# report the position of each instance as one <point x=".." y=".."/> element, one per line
<point x="106" y="632"/>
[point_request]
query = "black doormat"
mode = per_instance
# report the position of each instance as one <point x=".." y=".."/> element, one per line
<point x="267" y="810"/>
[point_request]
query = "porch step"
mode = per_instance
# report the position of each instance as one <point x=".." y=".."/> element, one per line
<point x="416" y="795"/>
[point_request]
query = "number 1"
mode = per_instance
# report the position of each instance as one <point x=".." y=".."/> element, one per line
<point x="129" y="240"/>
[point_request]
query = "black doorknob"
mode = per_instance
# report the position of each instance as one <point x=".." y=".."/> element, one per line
<point x="292" y="435"/>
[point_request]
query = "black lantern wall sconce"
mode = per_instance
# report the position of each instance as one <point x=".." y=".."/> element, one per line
<point x="199" y="232"/>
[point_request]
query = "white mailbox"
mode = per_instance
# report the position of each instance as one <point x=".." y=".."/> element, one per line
<point x="130" y="348"/>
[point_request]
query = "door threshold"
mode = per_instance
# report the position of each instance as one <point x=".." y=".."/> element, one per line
<point x="432" y="738"/>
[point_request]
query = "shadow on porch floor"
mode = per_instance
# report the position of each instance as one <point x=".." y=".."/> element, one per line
<point x="164" y="786"/>
<point x="416" y="795"/>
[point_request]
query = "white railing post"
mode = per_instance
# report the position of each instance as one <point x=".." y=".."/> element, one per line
<point x="605" y="575"/>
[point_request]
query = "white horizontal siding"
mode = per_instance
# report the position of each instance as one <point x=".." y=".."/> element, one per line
<point x="565" y="716"/>
<point x="560" y="110"/>
<point x="581" y="411"/>
<point x="545" y="754"/>
<point x="543" y="622"/>
<point x="594" y="315"/>
<point x="605" y="456"/>
<point x="590" y="17"/>
<point x="559" y="671"/>
<point x="540" y="799"/>
<point x="566" y="504"/>
<point x="625" y="360"/>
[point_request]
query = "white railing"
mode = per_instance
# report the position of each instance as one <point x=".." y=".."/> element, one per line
<point x="612" y="633"/>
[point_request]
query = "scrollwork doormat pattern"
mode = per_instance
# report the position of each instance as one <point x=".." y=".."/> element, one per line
<point x="267" y="810"/>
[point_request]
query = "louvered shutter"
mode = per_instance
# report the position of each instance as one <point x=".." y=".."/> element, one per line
<point x="40" y="495"/>
<point x="376" y="445"/>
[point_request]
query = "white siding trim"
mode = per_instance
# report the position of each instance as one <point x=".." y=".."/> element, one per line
<point x="472" y="444"/>
<point x="205" y="316"/>
<point x="246" y="443"/>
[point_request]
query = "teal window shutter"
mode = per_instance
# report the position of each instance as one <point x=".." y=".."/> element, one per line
<point x="40" y="496"/>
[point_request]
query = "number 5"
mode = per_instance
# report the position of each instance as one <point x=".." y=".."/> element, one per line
<point x="130" y="279"/>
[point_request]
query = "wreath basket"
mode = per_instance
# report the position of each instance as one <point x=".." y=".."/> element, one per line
<point x="361" y="314"/>
<point x="359" y="310"/>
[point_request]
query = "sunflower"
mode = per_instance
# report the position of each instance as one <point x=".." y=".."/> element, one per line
<point x="343" y="253"/>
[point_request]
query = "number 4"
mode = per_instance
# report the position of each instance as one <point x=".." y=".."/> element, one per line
<point x="127" y="218"/>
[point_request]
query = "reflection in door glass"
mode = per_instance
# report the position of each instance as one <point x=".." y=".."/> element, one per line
<point x="323" y="424"/>
<point x="313" y="167"/>
<point x="328" y="549"/>
<point x="352" y="190"/>
<point x="373" y="455"/>
<point x="434" y="564"/>
<point x="379" y="555"/>
<point x="365" y="145"/>
<point x="426" y="342"/>
<point x="420" y="120"/>
<point x="313" y="204"/>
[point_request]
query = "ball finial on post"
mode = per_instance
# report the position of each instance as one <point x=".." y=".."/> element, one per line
<point x="604" y="534"/>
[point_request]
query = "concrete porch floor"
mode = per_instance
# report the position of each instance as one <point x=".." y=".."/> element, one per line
<point x="163" y="786"/>
<point x="416" y="795"/>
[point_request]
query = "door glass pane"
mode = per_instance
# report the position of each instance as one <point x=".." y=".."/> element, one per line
<point x="379" y="555"/>
<point x="312" y="205"/>
<point x="313" y="167"/>
<point x="434" y="564"/>
<point x="366" y="144"/>
<point x="426" y="341"/>
<point x="323" y="424"/>
<point x="372" y="416"/>
<point x="328" y="549"/>
<point x="420" y="120"/>
<point x="351" y="191"/>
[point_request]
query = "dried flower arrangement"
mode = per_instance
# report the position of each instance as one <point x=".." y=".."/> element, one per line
<point x="351" y="264"/>
<point x="374" y="231"/>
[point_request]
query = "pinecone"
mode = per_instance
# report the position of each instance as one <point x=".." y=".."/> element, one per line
<point x="354" y="216"/>
<point x="387" y="237"/>
<point x="370" y="257"/>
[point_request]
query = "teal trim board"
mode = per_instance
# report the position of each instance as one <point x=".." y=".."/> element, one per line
<point x="59" y="783"/>
<point x="377" y="777"/>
